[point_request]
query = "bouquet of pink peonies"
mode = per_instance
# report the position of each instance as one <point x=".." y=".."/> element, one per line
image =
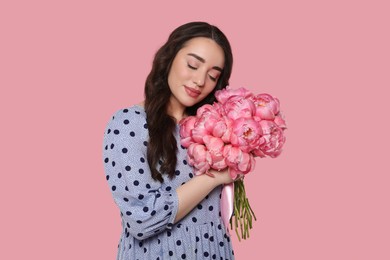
<point x="230" y="133"/>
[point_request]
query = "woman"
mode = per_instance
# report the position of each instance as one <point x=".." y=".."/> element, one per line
<point x="166" y="211"/>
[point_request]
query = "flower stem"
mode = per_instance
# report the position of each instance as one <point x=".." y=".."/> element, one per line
<point x="242" y="212"/>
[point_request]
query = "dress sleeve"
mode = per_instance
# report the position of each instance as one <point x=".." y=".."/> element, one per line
<point x="147" y="207"/>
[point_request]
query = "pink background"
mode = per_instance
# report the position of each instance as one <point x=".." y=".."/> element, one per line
<point x="67" y="66"/>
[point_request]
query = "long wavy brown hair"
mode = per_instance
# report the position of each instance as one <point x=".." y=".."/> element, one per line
<point x="162" y="146"/>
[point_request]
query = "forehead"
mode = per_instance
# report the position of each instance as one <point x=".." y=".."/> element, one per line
<point x="205" y="48"/>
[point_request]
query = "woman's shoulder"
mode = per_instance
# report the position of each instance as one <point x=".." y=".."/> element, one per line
<point x="133" y="113"/>
<point x="131" y="116"/>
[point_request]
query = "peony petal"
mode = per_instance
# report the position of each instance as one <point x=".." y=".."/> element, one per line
<point x="233" y="173"/>
<point x="280" y="122"/>
<point x="185" y="142"/>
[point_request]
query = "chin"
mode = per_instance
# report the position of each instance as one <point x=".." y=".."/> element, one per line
<point x="189" y="103"/>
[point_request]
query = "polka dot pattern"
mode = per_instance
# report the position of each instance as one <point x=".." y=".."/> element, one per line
<point x="148" y="207"/>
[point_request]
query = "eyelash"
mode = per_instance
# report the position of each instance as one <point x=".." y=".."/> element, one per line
<point x="212" y="78"/>
<point x="194" y="68"/>
<point x="191" y="67"/>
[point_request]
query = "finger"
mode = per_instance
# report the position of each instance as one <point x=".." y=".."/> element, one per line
<point x="209" y="174"/>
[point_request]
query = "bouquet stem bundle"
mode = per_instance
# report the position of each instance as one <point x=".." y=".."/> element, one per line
<point x="243" y="214"/>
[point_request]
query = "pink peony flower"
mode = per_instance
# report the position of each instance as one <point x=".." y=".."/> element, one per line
<point x="210" y="122"/>
<point x="239" y="107"/>
<point x="215" y="147"/>
<point x="207" y="117"/>
<point x="273" y="140"/>
<point x="267" y="107"/>
<point x="223" y="127"/>
<point x="224" y="94"/>
<point x="199" y="157"/>
<point x="186" y="126"/>
<point x="246" y="134"/>
<point x="239" y="162"/>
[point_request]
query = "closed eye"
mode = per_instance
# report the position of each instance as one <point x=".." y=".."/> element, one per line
<point x="191" y="67"/>
<point x="213" y="78"/>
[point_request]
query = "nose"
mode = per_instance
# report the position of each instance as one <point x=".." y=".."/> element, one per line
<point x="199" y="78"/>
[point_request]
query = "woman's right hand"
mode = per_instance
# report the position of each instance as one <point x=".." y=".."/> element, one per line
<point x="222" y="176"/>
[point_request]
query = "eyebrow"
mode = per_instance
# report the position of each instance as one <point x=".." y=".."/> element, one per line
<point x="203" y="60"/>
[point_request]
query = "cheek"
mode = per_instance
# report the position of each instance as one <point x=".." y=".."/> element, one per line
<point x="178" y="74"/>
<point x="172" y="76"/>
<point x="210" y="87"/>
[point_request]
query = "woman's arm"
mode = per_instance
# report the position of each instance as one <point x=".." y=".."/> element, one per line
<point x="195" y="190"/>
<point x="147" y="207"/>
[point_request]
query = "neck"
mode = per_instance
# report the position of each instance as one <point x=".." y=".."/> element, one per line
<point x="176" y="110"/>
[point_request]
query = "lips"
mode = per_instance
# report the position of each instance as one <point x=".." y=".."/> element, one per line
<point x="192" y="92"/>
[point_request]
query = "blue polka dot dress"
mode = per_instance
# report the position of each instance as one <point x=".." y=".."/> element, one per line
<point x="148" y="207"/>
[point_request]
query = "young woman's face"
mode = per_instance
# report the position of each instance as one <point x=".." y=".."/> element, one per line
<point x="195" y="71"/>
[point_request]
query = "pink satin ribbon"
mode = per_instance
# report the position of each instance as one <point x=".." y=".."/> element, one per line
<point x="227" y="204"/>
